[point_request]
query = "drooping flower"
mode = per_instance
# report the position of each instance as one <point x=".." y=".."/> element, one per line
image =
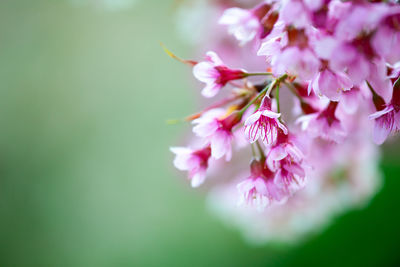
<point x="384" y="123"/>
<point x="287" y="160"/>
<point x="387" y="117"/>
<point x="283" y="148"/>
<point x="193" y="161"/>
<point x="259" y="189"/>
<point x="264" y="123"/>
<point x="217" y="130"/>
<point x="215" y="74"/>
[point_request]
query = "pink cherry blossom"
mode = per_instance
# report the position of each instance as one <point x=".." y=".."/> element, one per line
<point x="387" y="118"/>
<point x="283" y="148"/>
<point x="287" y="160"/>
<point x="386" y="121"/>
<point x="245" y="24"/>
<point x="215" y="74"/>
<point x="290" y="176"/>
<point x="193" y="161"/>
<point x="259" y="190"/>
<point x="218" y="131"/>
<point x="338" y="62"/>
<point x="264" y="123"/>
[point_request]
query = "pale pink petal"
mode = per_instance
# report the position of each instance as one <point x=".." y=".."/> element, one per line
<point x="260" y="186"/>
<point x="277" y="153"/>
<point x="252" y="134"/>
<point x="205" y="72"/>
<point x="245" y="186"/>
<point x="294" y="152"/>
<point x="198" y="178"/>
<point x="221" y="145"/>
<point x="253" y="118"/>
<point x="211" y="90"/>
<point x="328" y="85"/>
<point x="350" y="101"/>
<point x="270" y="48"/>
<point x="233" y="16"/>
<point x="214" y="58"/>
<point x="270" y="114"/>
<point x="206" y="129"/>
<point x="381" y="132"/>
<point x="282" y="127"/>
<point x="183" y="155"/>
<point x="241" y="23"/>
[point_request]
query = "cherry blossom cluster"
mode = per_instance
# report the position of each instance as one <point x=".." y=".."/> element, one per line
<point x="325" y="87"/>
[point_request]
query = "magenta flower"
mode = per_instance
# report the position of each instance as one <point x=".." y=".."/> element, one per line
<point x="218" y="131"/>
<point x="264" y="123"/>
<point x="215" y="74"/>
<point x="259" y="190"/>
<point x="193" y="161"/>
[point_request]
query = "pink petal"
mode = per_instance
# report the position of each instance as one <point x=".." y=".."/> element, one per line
<point x="198" y="178"/>
<point x="221" y="145"/>
<point x="205" y="72"/>
<point x="270" y="114"/>
<point x="205" y="129"/>
<point x="214" y="58"/>
<point x="381" y="132"/>
<point x="211" y="90"/>
<point x="260" y="186"/>
<point x="253" y="118"/>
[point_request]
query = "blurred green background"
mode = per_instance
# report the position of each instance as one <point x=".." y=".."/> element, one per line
<point x="86" y="177"/>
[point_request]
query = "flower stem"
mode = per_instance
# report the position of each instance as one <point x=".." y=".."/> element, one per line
<point x="253" y="151"/>
<point x="251" y="102"/>
<point x="277" y="99"/>
<point x="262" y="155"/>
<point x="259" y="74"/>
<point x="267" y="90"/>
